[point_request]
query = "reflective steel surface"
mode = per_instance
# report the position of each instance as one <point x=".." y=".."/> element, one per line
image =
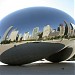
<point x="47" y="28"/>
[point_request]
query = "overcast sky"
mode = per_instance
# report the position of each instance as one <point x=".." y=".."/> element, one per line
<point x="9" y="6"/>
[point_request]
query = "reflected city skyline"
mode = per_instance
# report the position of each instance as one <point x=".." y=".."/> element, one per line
<point x="48" y="33"/>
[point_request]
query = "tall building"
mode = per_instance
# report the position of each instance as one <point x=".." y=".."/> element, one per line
<point x="67" y="29"/>
<point x="19" y="37"/>
<point x="46" y="31"/>
<point x="6" y="33"/>
<point x="13" y="35"/>
<point x="73" y="25"/>
<point x="61" y="29"/>
<point x="72" y="29"/>
<point x="35" y="33"/>
<point x="26" y="36"/>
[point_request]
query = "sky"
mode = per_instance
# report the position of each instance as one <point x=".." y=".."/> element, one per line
<point x="9" y="6"/>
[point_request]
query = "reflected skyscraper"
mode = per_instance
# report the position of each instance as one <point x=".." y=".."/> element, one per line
<point x="73" y="25"/>
<point x="72" y="29"/>
<point x="46" y="31"/>
<point x="53" y="34"/>
<point x="26" y="36"/>
<point x="13" y="35"/>
<point x="35" y="33"/>
<point x="19" y="36"/>
<point x="61" y="29"/>
<point x="67" y="29"/>
<point x="6" y="33"/>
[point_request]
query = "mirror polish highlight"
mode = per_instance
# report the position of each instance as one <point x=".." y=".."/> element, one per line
<point x="34" y="33"/>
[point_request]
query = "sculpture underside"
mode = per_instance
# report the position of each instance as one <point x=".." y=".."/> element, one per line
<point x="30" y="52"/>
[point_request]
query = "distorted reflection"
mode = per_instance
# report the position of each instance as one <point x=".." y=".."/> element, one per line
<point x="63" y="31"/>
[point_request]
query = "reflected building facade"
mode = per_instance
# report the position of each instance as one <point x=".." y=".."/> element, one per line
<point x="35" y="33"/>
<point x="72" y="29"/>
<point x="13" y="35"/>
<point x="46" y="31"/>
<point x="61" y="29"/>
<point x="26" y="36"/>
<point x="19" y="36"/>
<point x="67" y="29"/>
<point x="53" y="34"/>
<point x="6" y="33"/>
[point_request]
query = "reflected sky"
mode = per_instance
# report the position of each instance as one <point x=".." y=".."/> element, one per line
<point x="27" y="19"/>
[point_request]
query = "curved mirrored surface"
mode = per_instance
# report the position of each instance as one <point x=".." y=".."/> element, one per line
<point x="37" y="24"/>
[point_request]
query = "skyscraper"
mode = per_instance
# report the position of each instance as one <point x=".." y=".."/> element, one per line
<point x="46" y="31"/>
<point x="73" y="25"/>
<point x="35" y="33"/>
<point x="67" y="29"/>
<point x="19" y="36"/>
<point x="61" y="29"/>
<point x="13" y="35"/>
<point x="72" y="29"/>
<point x="6" y="33"/>
<point x="26" y="36"/>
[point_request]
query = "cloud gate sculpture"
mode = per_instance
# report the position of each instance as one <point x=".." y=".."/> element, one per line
<point x="34" y="33"/>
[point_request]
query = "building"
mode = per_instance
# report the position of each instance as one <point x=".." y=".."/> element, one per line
<point x="6" y="33"/>
<point x="46" y="31"/>
<point x="73" y="25"/>
<point x="53" y="34"/>
<point x="61" y="29"/>
<point x="72" y="29"/>
<point x="35" y="33"/>
<point x="13" y="35"/>
<point x="19" y="37"/>
<point x="26" y="36"/>
<point x="67" y="29"/>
